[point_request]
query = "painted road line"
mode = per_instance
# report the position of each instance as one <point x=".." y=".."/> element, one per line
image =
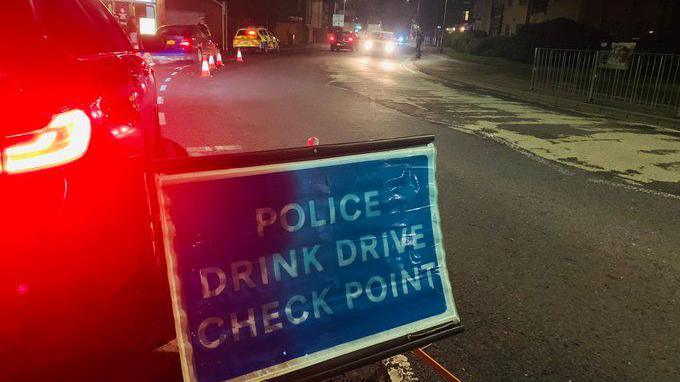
<point x="161" y="118"/>
<point x="163" y="87"/>
<point x="160" y="100"/>
<point x="173" y="73"/>
<point x="168" y="79"/>
<point x="209" y="150"/>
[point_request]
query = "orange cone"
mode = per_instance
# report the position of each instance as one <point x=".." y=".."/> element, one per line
<point x="219" y="62"/>
<point x="205" y="68"/>
<point x="239" y="56"/>
<point x="211" y="62"/>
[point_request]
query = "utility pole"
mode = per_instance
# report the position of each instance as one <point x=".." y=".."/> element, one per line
<point x="418" y="12"/>
<point x="530" y="8"/>
<point x="441" y="40"/>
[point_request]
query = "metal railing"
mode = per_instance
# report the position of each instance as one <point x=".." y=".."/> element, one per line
<point x="647" y="82"/>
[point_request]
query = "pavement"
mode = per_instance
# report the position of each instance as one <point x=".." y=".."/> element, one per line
<point x="561" y="228"/>
<point x="512" y="80"/>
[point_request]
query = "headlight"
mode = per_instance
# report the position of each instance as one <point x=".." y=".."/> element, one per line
<point x="368" y="45"/>
<point x="389" y="47"/>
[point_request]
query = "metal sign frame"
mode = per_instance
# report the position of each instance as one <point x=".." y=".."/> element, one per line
<point x="354" y="359"/>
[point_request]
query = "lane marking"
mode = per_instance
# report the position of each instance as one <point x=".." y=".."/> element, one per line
<point x="173" y="73"/>
<point x="160" y="100"/>
<point x="161" y="118"/>
<point x="163" y="87"/>
<point x="630" y="187"/>
<point x="168" y="79"/>
<point x="208" y="150"/>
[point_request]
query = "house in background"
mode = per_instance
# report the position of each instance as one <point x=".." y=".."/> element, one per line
<point x="213" y="13"/>
<point x="623" y="19"/>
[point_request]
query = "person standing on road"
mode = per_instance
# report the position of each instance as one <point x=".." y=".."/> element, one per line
<point x="419" y="42"/>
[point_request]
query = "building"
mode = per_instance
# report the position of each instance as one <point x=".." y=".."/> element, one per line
<point x="316" y="19"/>
<point x="148" y="15"/>
<point x="211" y="12"/>
<point x="144" y="14"/>
<point x="622" y="19"/>
<point x="487" y="16"/>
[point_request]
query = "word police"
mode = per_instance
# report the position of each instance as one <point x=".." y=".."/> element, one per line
<point x="293" y="216"/>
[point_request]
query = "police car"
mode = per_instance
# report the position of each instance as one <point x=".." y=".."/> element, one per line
<point x="257" y="39"/>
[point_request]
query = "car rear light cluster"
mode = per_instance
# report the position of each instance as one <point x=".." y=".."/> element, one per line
<point x="65" y="139"/>
<point x="185" y="43"/>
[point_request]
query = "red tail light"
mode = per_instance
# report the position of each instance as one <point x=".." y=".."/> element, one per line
<point x="351" y="39"/>
<point x="331" y="38"/>
<point x="65" y="139"/>
<point x="185" y="43"/>
<point x="251" y="33"/>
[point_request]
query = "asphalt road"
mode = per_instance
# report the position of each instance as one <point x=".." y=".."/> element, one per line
<point x="558" y="273"/>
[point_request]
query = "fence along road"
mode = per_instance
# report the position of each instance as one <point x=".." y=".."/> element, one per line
<point x="649" y="83"/>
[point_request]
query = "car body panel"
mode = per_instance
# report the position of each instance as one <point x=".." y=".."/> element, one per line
<point x="80" y="273"/>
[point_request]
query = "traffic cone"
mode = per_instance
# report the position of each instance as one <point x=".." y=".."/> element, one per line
<point x="211" y="63"/>
<point x="205" y="68"/>
<point x="239" y="56"/>
<point x="219" y="62"/>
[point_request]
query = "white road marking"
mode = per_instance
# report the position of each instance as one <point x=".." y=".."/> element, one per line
<point x="631" y="187"/>
<point x="173" y="73"/>
<point x="168" y="79"/>
<point x="161" y="119"/>
<point x="399" y="369"/>
<point x="210" y="150"/>
<point x="163" y="87"/>
<point x="160" y="100"/>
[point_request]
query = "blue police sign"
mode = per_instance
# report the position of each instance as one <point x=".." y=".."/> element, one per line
<point x="278" y="267"/>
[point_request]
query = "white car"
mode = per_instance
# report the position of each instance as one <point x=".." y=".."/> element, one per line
<point x="384" y="43"/>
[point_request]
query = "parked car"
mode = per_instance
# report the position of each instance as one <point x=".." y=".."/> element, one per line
<point x="257" y="39"/>
<point x="189" y="42"/>
<point x="380" y="43"/>
<point x="79" y="272"/>
<point x="342" y="40"/>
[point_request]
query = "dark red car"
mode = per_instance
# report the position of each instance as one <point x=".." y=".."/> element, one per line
<point x="187" y="42"/>
<point x="79" y="272"/>
<point x="341" y="40"/>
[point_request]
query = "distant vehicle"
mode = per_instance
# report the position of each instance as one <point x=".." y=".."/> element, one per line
<point x="382" y="43"/>
<point x="256" y="38"/>
<point x="340" y="40"/>
<point x="79" y="271"/>
<point x="371" y="28"/>
<point x="189" y="42"/>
